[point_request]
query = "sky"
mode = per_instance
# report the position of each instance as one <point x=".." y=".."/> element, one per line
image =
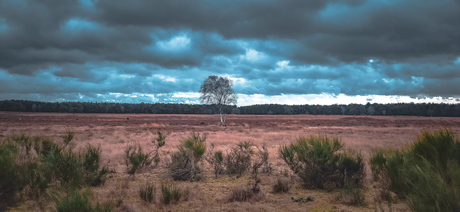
<point x="275" y="51"/>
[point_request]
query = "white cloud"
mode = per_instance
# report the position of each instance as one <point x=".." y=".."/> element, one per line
<point x="236" y="80"/>
<point x="329" y="99"/>
<point x="254" y="55"/>
<point x="126" y="76"/>
<point x="283" y="63"/>
<point x="165" y="78"/>
<point x="176" y="43"/>
<point x="186" y="95"/>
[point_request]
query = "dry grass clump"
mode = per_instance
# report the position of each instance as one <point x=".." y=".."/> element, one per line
<point x="249" y="193"/>
<point x="281" y="186"/>
<point x="350" y="195"/>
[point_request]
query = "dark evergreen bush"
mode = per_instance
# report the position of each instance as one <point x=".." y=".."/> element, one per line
<point x="318" y="163"/>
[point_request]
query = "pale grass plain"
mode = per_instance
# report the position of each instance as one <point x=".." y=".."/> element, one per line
<point x="113" y="132"/>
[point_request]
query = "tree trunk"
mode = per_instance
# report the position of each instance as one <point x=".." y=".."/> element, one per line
<point x="222" y="118"/>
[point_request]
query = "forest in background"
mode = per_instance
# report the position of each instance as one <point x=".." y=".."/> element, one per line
<point x="399" y="109"/>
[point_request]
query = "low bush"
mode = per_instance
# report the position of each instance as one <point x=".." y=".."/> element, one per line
<point x="158" y="143"/>
<point x="31" y="165"/>
<point x="147" y="193"/>
<point x="216" y="159"/>
<point x="238" y="159"/>
<point x="13" y="174"/>
<point x="64" y="167"/>
<point x="251" y="192"/>
<point x="426" y="175"/>
<point x="135" y="158"/>
<point x="350" y="195"/>
<point x="94" y="174"/>
<point x="68" y="136"/>
<point x="79" y="201"/>
<point x="281" y="186"/>
<point x="261" y="163"/>
<point x="318" y="163"/>
<point x="184" y="162"/>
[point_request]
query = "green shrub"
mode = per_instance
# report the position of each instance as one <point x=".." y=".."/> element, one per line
<point x="184" y="162"/>
<point x="24" y="141"/>
<point x="75" y="169"/>
<point x="317" y="162"/>
<point x="28" y="174"/>
<point x="216" y="159"/>
<point x="238" y="159"/>
<point x="12" y="178"/>
<point x="147" y="193"/>
<point x="65" y="167"/>
<point x="94" y="174"/>
<point x="426" y="175"/>
<point x="158" y="142"/>
<point x="135" y="158"/>
<point x="170" y="194"/>
<point x="68" y="136"/>
<point x="76" y="202"/>
<point x="261" y="163"/>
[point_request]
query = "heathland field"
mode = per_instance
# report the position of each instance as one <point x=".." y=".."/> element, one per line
<point x="197" y="149"/>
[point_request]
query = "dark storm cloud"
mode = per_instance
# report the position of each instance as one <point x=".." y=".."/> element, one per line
<point x="83" y="48"/>
<point x="345" y="30"/>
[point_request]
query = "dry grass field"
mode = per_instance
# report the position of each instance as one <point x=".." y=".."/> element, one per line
<point x="113" y="132"/>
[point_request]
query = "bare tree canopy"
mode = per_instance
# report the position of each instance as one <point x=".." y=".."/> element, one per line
<point x="218" y="90"/>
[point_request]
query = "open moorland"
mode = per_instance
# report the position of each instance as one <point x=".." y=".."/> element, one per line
<point x="114" y="132"/>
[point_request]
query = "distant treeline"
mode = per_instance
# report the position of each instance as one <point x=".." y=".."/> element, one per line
<point x="400" y="109"/>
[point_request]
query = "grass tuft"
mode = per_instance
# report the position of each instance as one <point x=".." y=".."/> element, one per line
<point x="147" y="193"/>
<point x="171" y="194"/>
<point x="79" y="201"/>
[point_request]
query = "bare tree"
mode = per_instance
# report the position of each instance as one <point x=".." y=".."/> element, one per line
<point x="218" y="90"/>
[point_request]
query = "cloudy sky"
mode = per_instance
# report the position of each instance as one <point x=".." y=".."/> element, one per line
<point x="275" y="51"/>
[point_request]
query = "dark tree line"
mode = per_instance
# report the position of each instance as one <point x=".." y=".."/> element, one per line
<point x="105" y="107"/>
<point x="400" y="109"/>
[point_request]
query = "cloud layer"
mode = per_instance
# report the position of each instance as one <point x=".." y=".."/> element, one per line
<point x="144" y="51"/>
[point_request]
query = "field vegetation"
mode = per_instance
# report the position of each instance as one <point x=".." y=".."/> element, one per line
<point x="197" y="171"/>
